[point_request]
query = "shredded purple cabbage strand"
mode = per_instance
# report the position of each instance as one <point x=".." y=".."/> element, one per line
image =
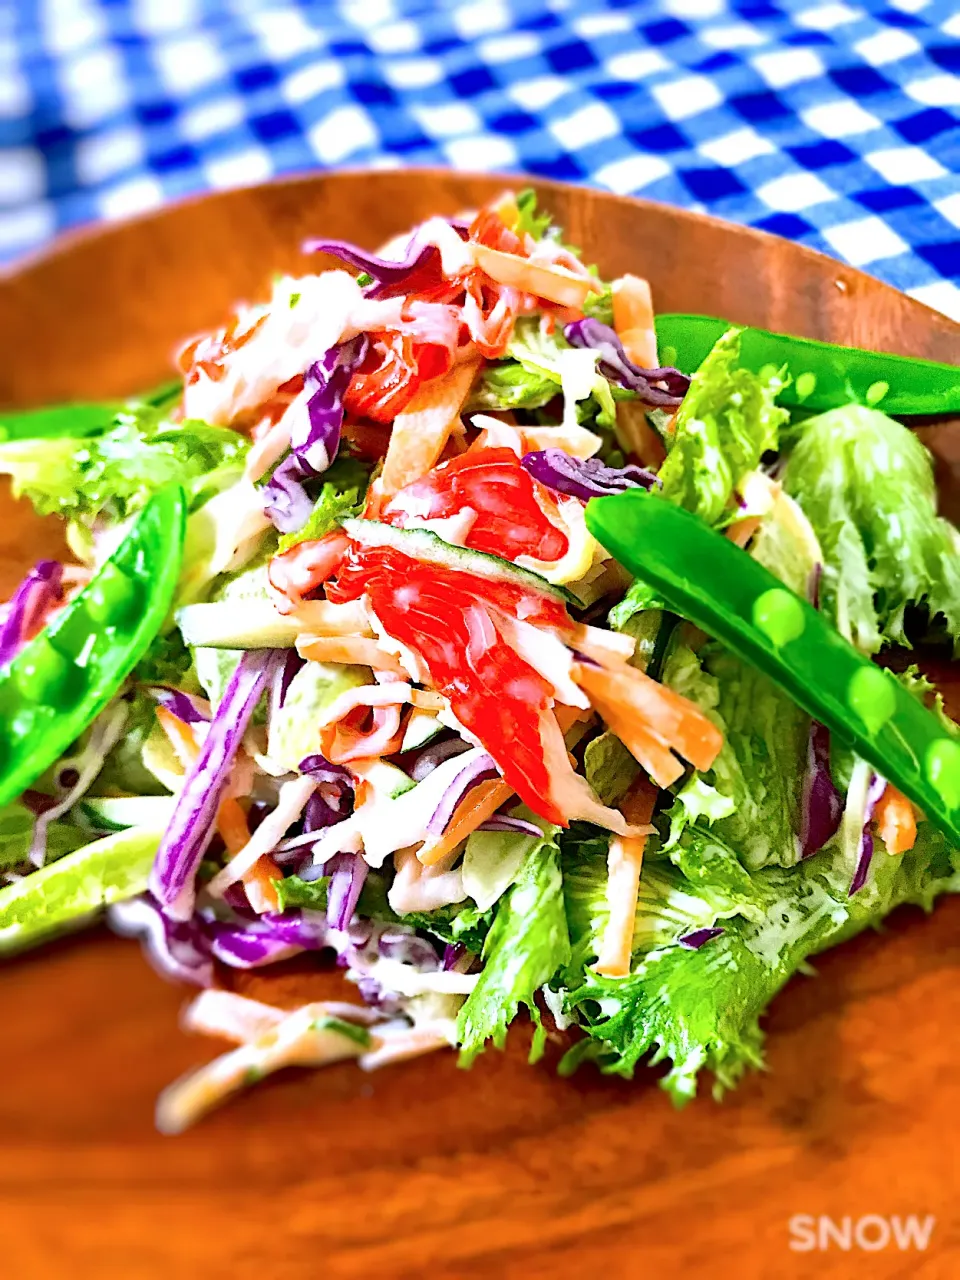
<point x="268" y="938"/>
<point x="42" y="587"/>
<point x="184" y="706"/>
<point x="518" y="826"/>
<point x="192" y="824"/>
<point x="700" y="937"/>
<point x="314" y="435"/>
<point x="386" y="273"/>
<point x="435" y="754"/>
<point x="347" y="871"/>
<point x="177" y="948"/>
<point x="822" y="807"/>
<point x="286" y="502"/>
<point x="333" y="799"/>
<point x="584" y="478"/>
<point x="616" y="365"/>
<point x="480" y="769"/>
<point x="186" y="949"/>
<point x="875" y="789"/>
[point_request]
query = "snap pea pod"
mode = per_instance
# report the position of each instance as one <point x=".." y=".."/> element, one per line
<point x="706" y="578"/>
<point x="68" y="891"/>
<point x="78" y="421"/>
<point x="63" y="678"/>
<point x="823" y="375"/>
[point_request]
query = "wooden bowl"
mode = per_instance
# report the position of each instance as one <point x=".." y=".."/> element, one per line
<point x="505" y="1170"/>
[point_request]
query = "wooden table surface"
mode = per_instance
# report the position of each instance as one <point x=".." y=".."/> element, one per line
<point x="505" y="1170"/>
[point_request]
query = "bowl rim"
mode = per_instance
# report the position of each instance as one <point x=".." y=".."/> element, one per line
<point x="76" y="237"/>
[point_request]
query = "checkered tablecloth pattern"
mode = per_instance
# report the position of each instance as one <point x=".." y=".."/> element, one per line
<point x="831" y="122"/>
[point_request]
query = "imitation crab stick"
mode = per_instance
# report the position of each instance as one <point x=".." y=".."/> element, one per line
<point x="555" y="284"/>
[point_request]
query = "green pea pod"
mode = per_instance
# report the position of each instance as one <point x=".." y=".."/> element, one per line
<point x="823" y="375"/>
<point x="66" y="892"/>
<point x="77" y="421"/>
<point x="706" y="578"/>
<point x="59" y="682"/>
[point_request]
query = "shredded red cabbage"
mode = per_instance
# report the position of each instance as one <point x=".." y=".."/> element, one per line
<point x="503" y="822"/>
<point x="177" y="949"/>
<point x="695" y="940"/>
<point x="314" y="435"/>
<point x="191" y="827"/>
<point x="281" y="681"/>
<point x="386" y="273"/>
<point x="480" y="769"/>
<point x="403" y="945"/>
<point x="821" y="804"/>
<point x="292" y="664"/>
<point x="271" y="937"/>
<point x="584" y="478"/>
<point x="286" y="502"/>
<point x="615" y="365"/>
<point x="42" y="587"/>
<point x="347" y="873"/>
<point x="813" y="585"/>
<point x="435" y="754"/>
<point x="318" y="767"/>
<point x="875" y="789"/>
<point x="333" y="799"/>
<point x="184" y="706"/>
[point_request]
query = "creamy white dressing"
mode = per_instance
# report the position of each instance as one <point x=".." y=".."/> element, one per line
<point x="386" y="825"/>
<point x="331" y="308"/>
<point x="419" y="888"/>
<point x="578" y="373"/>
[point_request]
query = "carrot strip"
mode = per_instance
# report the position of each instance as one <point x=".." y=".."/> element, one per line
<point x="260" y="887"/>
<point x="427" y="700"/>
<point x="659" y="761"/>
<point x="180" y="735"/>
<point x="633" y="320"/>
<point x="232" y="825"/>
<point x="741" y="531"/>
<point x="624" y="864"/>
<point x="896" y="821"/>
<point x="476" y="807"/>
<point x="673" y="719"/>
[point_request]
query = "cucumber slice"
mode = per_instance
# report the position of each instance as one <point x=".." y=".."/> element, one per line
<point x="424" y="545"/>
<point x="66" y="893"/>
<point x="116" y="813"/>
<point x="422" y="727"/>
<point x="237" y="624"/>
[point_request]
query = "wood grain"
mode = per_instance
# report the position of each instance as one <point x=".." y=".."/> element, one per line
<point x="506" y="1170"/>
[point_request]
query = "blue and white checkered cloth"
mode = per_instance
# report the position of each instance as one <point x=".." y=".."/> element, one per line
<point x="833" y="123"/>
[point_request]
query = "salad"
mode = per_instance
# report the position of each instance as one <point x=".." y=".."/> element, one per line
<point x="410" y="629"/>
